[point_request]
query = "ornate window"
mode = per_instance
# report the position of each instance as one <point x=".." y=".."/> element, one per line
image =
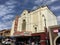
<point x="24" y="25"/>
<point x="35" y="27"/>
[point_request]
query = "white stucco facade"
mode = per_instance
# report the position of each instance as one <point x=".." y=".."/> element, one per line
<point x="36" y="19"/>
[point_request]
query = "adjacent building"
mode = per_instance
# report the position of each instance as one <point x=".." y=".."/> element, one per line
<point x="5" y="33"/>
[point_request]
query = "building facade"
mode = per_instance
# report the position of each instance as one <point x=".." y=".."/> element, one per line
<point x="32" y="25"/>
<point x="34" y="21"/>
<point x="5" y="32"/>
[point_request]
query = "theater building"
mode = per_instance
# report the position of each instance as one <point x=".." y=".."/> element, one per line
<point x="33" y="25"/>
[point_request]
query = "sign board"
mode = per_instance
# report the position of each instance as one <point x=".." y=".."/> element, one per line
<point x="55" y="30"/>
<point x="27" y="33"/>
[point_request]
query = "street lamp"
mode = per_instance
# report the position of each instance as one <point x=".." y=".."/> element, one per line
<point x="45" y="29"/>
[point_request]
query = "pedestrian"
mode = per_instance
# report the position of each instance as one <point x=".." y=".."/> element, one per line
<point x="32" y="43"/>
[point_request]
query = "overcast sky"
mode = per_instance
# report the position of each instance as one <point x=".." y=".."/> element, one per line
<point x="10" y="8"/>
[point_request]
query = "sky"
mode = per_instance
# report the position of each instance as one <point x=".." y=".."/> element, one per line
<point x="10" y="8"/>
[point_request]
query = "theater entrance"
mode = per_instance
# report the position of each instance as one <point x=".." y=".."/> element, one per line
<point x="58" y="41"/>
<point x="25" y="40"/>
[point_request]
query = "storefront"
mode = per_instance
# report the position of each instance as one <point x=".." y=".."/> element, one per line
<point x="36" y="38"/>
<point x="27" y="39"/>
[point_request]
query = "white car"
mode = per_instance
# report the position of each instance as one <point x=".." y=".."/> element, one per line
<point x="8" y="42"/>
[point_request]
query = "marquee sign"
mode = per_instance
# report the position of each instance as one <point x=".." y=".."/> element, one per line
<point x="27" y="33"/>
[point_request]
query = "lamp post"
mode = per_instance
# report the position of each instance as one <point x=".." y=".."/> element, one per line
<point x="45" y="29"/>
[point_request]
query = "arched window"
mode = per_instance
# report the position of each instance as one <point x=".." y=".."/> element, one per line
<point x="24" y="25"/>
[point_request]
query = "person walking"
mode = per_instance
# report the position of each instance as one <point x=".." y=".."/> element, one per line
<point x="32" y="43"/>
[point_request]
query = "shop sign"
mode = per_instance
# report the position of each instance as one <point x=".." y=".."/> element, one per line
<point x="23" y="34"/>
<point x="18" y="34"/>
<point x="27" y="33"/>
<point x="55" y="30"/>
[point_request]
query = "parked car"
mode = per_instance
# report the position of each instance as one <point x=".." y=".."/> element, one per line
<point x="8" y="42"/>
